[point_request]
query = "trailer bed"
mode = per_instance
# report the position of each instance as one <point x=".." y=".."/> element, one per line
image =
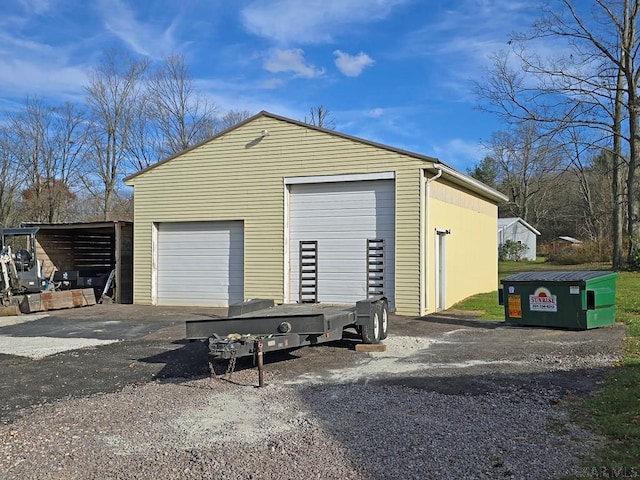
<point x="302" y="318"/>
<point x="259" y="326"/>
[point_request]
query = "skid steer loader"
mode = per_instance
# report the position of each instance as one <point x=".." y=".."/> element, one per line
<point x="23" y="286"/>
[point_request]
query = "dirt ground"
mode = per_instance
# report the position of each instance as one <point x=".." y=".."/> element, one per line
<point x="103" y="348"/>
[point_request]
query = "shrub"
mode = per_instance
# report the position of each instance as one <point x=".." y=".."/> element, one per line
<point x="511" y="250"/>
<point x="586" y="252"/>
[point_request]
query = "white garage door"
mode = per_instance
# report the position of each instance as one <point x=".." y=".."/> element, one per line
<point x="341" y="217"/>
<point x="200" y="263"/>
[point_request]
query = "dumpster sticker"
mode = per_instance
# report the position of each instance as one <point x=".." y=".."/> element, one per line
<point x="574" y="290"/>
<point x="515" y="306"/>
<point x="543" y="301"/>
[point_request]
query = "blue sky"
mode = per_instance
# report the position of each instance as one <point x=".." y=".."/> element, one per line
<point x="398" y="72"/>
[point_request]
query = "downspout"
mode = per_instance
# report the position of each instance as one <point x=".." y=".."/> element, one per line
<point x="426" y="221"/>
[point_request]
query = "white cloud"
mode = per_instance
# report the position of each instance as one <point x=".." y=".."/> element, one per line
<point x="459" y="153"/>
<point x="271" y="83"/>
<point x="458" y="43"/>
<point x="390" y="125"/>
<point x="352" y="65"/>
<point x="20" y="78"/>
<point x="252" y="96"/>
<point x="15" y="46"/>
<point x="142" y="37"/>
<point x="37" y="6"/>
<point x="311" y="21"/>
<point x="29" y="67"/>
<point x="291" y="60"/>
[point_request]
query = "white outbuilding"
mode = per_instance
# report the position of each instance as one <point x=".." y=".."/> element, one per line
<point x="517" y="230"/>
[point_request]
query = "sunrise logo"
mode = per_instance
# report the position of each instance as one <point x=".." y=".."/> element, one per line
<point x="543" y="301"/>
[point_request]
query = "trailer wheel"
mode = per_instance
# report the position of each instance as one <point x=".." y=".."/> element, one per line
<point x="384" y="319"/>
<point x="371" y="330"/>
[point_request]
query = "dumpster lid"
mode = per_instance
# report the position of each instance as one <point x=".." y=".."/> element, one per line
<point x="556" y="276"/>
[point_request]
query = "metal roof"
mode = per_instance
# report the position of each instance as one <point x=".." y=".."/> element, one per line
<point x="569" y="239"/>
<point x="559" y="276"/>
<point x="76" y="225"/>
<point x="20" y="231"/>
<point x="508" y="221"/>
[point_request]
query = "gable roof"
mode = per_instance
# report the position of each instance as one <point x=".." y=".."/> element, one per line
<point x="433" y="164"/>
<point x="508" y="221"/>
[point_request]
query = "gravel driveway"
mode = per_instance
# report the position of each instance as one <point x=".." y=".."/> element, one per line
<point x="451" y="397"/>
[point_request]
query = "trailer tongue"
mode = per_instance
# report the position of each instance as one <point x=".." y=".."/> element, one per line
<point x="259" y="326"/>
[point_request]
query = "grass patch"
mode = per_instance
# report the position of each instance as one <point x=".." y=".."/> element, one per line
<point x="508" y="268"/>
<point x="483" y="302"/>
<point x="613" y="412"/>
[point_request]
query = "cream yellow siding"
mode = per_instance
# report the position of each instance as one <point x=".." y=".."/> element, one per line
<point x="471" y="250"/>
<point x="240" y="176"/>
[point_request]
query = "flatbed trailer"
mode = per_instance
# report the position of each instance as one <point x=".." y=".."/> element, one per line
<point x="257" y="326"/>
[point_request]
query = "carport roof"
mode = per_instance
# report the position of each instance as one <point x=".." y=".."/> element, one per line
<point x="73" y="225"/>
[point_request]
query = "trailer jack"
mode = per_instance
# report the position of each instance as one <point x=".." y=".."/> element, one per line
<point x="234" y="347"/>
<point x="260" y="364"/>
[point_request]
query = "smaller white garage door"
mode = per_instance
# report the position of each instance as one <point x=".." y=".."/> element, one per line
<point x="200" y="263"/>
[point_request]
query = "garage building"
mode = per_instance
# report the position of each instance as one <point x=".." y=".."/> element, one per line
<point x="276" y="208"/>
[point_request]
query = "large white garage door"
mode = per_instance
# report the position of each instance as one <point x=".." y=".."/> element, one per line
<point x="200" y="263"/>
<point x="341" y="217"/>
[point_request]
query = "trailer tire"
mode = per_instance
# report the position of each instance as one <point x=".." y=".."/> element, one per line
<point x="383" y="318"/>
<point x="371" y="329"/>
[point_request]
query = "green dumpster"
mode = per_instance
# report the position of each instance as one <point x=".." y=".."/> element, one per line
<point x="575" y="300"/>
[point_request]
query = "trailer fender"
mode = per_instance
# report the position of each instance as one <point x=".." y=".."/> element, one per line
<point x="369" y="316"/>
<point x="365" y="309"/>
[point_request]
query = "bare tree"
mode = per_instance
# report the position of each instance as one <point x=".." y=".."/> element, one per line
<point x="529" y="165"/>
<point x="30" y="145"/>
<point x="231" y="119"/>
<point x="113" y="96"/>
<point x="320" y="116"/>
<point x="146" y="144"/>
<point x="69" y="140"/>
<point x="617" y="176"/>
<point x="591" y="177"/>
<point x="182" y="116"/>
<point x="592" y="84"/>
<point x="47" y="145"/>
<point x="10" y="180"/>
